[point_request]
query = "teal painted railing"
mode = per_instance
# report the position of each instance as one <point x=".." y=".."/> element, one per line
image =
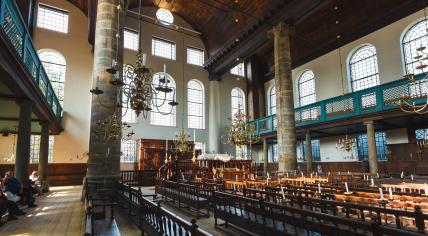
<point x="376" y="99"/>
<point x="13" y="25"/>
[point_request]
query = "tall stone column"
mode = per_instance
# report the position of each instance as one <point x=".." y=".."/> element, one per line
<point x="44" y="156"/>
<point x="23" y="142"/>
<point x="286" y="132"/>
<point x="371" y="142"/>
<point x="308" y="153"/>
<point x="104" y="155"/>
<point x="265" y="156"/>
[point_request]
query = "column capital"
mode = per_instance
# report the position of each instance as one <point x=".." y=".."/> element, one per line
<point x="370" y="122"/>
<point x="279" y="29"/>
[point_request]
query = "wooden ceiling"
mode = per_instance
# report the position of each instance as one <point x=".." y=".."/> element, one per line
<point x="317" y="23"/>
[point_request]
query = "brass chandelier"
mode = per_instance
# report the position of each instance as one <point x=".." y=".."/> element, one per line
<point x="240" y="133"/>
<point x="111" y="128"/>
<point x="182" y="142"/>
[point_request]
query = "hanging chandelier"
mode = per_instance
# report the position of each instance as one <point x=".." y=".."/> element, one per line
<point x="417" y="88"/>
<point x="346" y="143"/>
<point x="111" y="129"/>
<point x="182" y="142"/>
<point x="240" y="133"/>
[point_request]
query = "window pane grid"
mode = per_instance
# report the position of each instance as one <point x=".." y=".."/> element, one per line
<point x="363" y="67"/>
<point x="421" y="134"/>
<point x="195" y="56"/>
<point x="316" y="153"/>
<point x="381" y="146"/>
<point x="35" y="149"/>
<point x="414" y="38"/>
<point x="273" y="153"/>
<point x="128" y="149"/>
<point x="195" y="105"/>
<point x="306" y="87"/>
<point x="238" y="70"/>
<point x="55" y="68"/>
<point x="163" y="48"/>
<point x="157" y="116"/>
<point x="237" y="101"/>
<point x="52" y="19"/>
<point x="130" y="39"/>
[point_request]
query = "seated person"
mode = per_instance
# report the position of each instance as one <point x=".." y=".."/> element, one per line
<point x="9" y="206"/>
<point x="35" y="183"/>
<point x="13" y="185"/>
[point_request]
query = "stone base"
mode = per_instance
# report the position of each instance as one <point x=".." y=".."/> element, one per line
<point x="44" y="186"/>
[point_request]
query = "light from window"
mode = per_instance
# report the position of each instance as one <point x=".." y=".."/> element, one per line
<point x="237" y="101"/>
<point x="272" y="101"/>
<point x="164" y="16"/>
<point x="128" y="149"/>
<point x="128" y="115"/>
<point x="35" y="149"/>
<point x="316" y="153"/>
<point x="55" y="66"/>
<point x="363" y="68"/>
<point x="52" y="19"/>
<point x="164" y="115"/>
<point x="363" y="148"/>
<point x="273" y="153"/>
<point x="414" y="38"/>
<point x="306" y="87"/>
<point x="421" y="134"/>
<point x="195" y="56"/>
<point x="195" y="105"/>
<point x="130" y="39"/>
<point x="163" y="48"/>
<point x="238" y="70"/>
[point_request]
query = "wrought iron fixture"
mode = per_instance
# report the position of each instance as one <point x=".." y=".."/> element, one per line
<point x="346" y="143"/>
<point x="240" y="133"/>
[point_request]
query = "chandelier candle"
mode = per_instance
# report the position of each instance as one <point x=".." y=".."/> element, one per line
<point x="372" y="182"/>
<point x="346" y="187"/>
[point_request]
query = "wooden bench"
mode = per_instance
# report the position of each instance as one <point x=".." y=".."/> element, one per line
<point x="187" y="194"/>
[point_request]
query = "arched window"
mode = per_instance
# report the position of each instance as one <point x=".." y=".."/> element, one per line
<point x="237" y="101"/>
<point x="195" y="105"/>
<point x="128" y="115"/>
<point x="55" y="66"/>
<point x="306" y="86"/>
<point x="164" y="115"/>
<point x="363" y="68"/>
<point x="272" y="100"/>
<point x="415" y="37"/>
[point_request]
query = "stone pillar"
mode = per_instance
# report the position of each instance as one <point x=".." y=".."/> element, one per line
<point x="255" y="89"/>
<point x="44" y="156"/>
<point x="265" y="156"/>
<point x="286" y="132"/>
<point x="308" y="153"/>
<point x="214" y="119"/>
<point x="23" y="142"/>
<point x="104" y="156"/>
<point x="371" y="142"/>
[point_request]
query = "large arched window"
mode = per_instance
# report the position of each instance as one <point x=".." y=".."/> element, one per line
<point x="363" y="68"/>
<point x="195" y="105"/>
<point x="237" y="101"/>
<point x="55" y="66"/>
<point x="272" y="100"/>
<point x="128" y="115"/>
<point x="306" y="86"/>
<point x="164" y="115"/>
<point x="415" y="37"/>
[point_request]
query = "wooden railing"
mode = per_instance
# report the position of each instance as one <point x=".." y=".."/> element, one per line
<point x="151" y="217"/>
<point x="139" y="177"/>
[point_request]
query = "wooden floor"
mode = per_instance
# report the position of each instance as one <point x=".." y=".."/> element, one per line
<point x="59" y="212"/>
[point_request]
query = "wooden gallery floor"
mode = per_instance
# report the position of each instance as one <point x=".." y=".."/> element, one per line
<point x="59" y="212"/>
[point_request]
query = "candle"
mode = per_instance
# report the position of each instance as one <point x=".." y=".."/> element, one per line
<point x="166" y="148"/>
<point x="377" y="174"/>
<point x="164" y="70"/>
<point x="346" y="187"/>
<point x="182" y="176"/>
<point x="411" y="176"/>
<point x="234" y="187"/>
<point x="316" y="174"/>
<point x="287" y="174"/>
<point x="372" y="181"/>
<point x="425" y="188"/>
<point x="194" y="136"/>
<point x="268" y="175"/>
<point x="236" y="177"/>
<point x="390" y="193"/>
<point x="402" y="174"/>
<point x="381" y="193"/>
<point x="319" y="187"/>
<point x="282" y="192"/>
<point x="144" y="59"/>
<point x="301" y="173"/>
<point x="311" y="175"/>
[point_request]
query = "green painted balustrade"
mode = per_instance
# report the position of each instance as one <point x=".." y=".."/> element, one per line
<point x="376" y="99"/>
<point x="13" y="25"/>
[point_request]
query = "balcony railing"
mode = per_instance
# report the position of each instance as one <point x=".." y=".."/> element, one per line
<point x="13" y="25"/>
<point x="376" y="99"/>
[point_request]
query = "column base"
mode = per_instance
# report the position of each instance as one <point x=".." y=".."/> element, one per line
<point x="44" y="186"/>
